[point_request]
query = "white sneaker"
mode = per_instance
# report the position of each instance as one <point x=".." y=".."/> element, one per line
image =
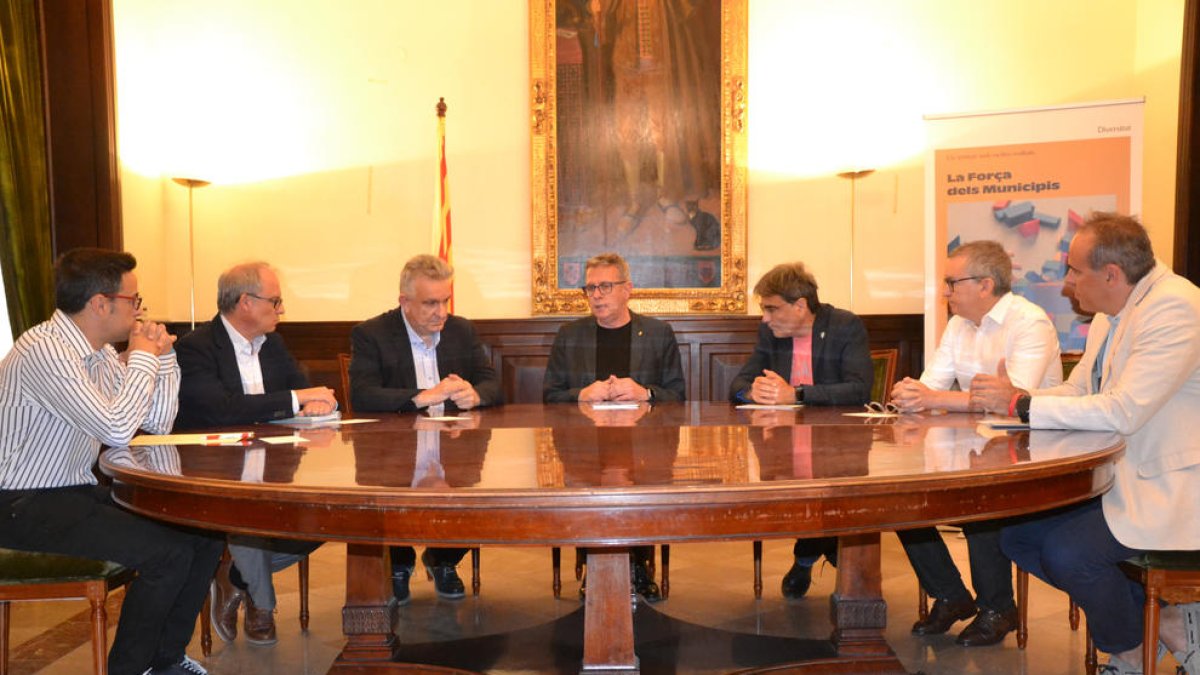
<point x="189" y="665"/>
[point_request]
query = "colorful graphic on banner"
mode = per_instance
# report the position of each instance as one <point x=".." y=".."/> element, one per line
<point x="1031" y="197"/>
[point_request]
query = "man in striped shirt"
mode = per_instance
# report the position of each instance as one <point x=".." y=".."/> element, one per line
<point x="65" y="391"/>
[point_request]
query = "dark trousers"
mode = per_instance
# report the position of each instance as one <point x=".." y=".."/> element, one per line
<point x="808" y="551"/>
<point x="1074" y="550"/>
<point x="991" y="570"/>
<point x="174" y="566"/>
<point x="406" y="556"/>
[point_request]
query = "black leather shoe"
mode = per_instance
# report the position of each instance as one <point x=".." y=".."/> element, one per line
<point x="445" y="578"/>
<point x="643" y="583"/>
<point x="988" y="628"/>
<point x="796" y="581"/>
<point x="944" y="615"/>
<point x="400" y="576"/>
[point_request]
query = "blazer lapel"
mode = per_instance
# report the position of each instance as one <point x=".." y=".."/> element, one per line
<point x="227" y="366"/>
<point x="407" y="374"/>
<point x="637" y="351"/>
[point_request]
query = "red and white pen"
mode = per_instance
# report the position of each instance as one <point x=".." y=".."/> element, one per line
<point x="229" y="437"/>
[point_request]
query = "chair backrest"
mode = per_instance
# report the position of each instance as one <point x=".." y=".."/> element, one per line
<point x="344" y="367"/>
<point x="884" y="361"/>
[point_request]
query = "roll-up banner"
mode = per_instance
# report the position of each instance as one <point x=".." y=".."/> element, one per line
<point x="1027" y="178"/>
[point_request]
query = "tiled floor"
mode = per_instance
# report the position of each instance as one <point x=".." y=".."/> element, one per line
<point x="711" y="584"/>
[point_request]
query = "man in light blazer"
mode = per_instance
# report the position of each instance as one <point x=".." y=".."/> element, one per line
<point x="237" y="370"/>
<point x="834" y="368"/>
<point x="420" y="357"/>
<point x="1140" y="377"/>
<point x="615" y="355"/>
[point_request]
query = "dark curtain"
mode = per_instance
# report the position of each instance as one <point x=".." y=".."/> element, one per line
<point x="26" y="252"/>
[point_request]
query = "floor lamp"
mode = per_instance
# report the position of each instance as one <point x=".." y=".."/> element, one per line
<point x="853" y="176"/>
<point x="191" y="184"/>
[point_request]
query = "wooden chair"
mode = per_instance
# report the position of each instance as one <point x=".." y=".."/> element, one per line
<point x="206" y="613"/>
<point x="26" y="575"/>
<point x="1169" y="576"/>
<point x="348" y="407"/>
<point x="884" y="362"/>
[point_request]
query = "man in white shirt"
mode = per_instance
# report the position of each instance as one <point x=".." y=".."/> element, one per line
<point x="236" y="370"/>
<point x="1140" y="377"/>
<point x="990" y="325"/>
<point x="64" y="391"/>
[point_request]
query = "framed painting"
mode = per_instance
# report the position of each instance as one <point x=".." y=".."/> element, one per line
<point x="638" y="114"/>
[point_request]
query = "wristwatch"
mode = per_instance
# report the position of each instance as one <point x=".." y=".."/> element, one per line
<point x="649" y="394"/>
<point x="800" y="394"/>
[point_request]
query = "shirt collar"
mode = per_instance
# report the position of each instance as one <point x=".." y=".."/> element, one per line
<point x="415" y="339"/>
<point x="999" y="310"/>
<point x="74" y="336"/>
<point x="240" y="344"/>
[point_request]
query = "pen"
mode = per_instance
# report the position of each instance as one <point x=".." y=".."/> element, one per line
<point x="235" y="436"/>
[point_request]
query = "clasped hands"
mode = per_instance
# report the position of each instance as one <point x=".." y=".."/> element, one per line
<point x="614" y="389"/>
<point x="771" y="389"/>
<point x="988" y="393"/>
<point x="452" y="388"/>
<point x="316" y="401"/>
<point x="150" y="337"/>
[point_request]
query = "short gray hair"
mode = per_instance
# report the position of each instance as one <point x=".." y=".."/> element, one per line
<point x="239" y="280"/>
<point x="608" y="260"/>
<point x="987" y="259"/>
<point x="424" y="265"/>
<point x="1120" y="240"/>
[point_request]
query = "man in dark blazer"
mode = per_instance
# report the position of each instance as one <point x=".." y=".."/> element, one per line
<point x="615" y="355"/>
<point x="236" y="370"/>
<point x="420" y="357"/>
<point x="807" y="353"/>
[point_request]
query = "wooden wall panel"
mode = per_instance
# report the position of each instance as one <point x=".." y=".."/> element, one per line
<point x="712" y="349"/>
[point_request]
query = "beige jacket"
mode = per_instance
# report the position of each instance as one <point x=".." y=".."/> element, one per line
<point x="1150" y="393"/>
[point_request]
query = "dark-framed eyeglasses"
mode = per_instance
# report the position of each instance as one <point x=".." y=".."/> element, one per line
<point x="135" y="299"/>
<point x="950" y="282"/>
<point x="605" y="287"/>
<point x="276" y="301"/>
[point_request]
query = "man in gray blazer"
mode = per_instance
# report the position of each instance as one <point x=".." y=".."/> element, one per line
<point x="1140" y="377"/>
<point x="615" y="355"/>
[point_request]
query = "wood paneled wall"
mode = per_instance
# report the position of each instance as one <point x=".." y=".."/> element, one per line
<point x="713" y="349"/>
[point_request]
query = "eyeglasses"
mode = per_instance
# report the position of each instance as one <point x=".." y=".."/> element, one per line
<point x="605" y="287"/>
<point x="950" y="282"/>
<point x="275" y="301"/>
<point x="882" y="408"/>
<point x="136" y="299"/>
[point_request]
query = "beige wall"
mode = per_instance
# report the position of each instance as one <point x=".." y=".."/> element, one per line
<point x="314" y="119"/>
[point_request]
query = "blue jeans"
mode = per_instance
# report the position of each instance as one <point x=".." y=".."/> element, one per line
<point x="1073" y="550"/>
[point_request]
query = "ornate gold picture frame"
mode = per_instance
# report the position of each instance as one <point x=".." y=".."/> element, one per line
<point x="638" y="114"/>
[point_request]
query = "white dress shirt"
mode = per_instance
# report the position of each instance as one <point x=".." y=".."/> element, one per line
<point x="425" y="362"/>
<point x="1015" y="330"/>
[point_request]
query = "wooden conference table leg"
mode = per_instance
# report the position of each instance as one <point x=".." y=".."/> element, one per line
<point x="608" y="617"/>
<point x="857" y="608"/>
<point x="370" y="610"/>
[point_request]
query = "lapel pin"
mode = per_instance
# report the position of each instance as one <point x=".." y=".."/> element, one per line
<point x="822" y="335"/>
<point x="639" y="333"/>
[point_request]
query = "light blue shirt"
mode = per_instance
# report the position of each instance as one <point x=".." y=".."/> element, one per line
<point x="424" y="356"/>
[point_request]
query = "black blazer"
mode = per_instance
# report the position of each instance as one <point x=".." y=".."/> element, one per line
<point x="842" y="370"/>
<point x="210" y="391"/>
<point x="382" y="376"/>
<point x="653" y="360"/>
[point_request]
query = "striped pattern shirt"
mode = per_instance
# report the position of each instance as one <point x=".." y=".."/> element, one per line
<point x="60" y="400"/>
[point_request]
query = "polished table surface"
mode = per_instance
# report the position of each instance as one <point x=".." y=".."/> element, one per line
<point x="574" y="475"/>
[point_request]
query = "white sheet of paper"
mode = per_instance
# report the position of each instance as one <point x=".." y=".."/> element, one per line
<point x="363" y="421"/>
<point x="446" y="418"/>
<point x="871" y="414"/>
<point x="614" y="405"/>
<point x="764" y="406"/>
<point x="280" y="440"/>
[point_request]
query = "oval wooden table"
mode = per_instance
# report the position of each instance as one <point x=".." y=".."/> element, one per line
<point x="609" y="479"/>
